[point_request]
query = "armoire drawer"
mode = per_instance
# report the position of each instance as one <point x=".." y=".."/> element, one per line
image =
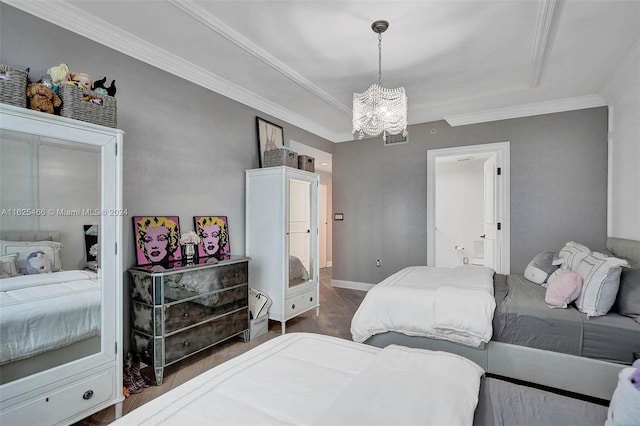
<point x="63" y="403"/>
<point x="301" y="303"/>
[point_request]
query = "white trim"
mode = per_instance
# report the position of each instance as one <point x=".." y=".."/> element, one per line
<point x="204" y="17"/>
<point x="353" y="285"/>
<point x="73" y="19"/>
<point x="329" y="263"/>
<point x="541" y="40"/>
<point x="527" y="110"/>
<point x="502" y="150"/>
<point x="611" y="140"/>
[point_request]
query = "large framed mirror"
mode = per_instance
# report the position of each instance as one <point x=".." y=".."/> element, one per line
<point x="60" y="223"/>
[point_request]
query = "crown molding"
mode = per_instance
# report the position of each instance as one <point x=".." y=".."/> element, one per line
<point x="544" y="23"/>
<point x="213" y="23"/>
<point x="73" y="19"/>
<point x="527" y="110"/>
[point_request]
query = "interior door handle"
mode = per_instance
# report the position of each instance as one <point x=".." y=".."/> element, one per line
<point x="483" y="235"/>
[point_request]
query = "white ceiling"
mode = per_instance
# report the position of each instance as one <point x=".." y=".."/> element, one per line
<point x="301" y="61"/>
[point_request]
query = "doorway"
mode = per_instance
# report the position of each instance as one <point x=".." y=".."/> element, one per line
<point x="468" y="212"/>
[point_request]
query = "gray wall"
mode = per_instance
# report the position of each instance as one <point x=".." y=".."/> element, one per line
<point x="185" y="148"/>
<point x="558" y="190"/>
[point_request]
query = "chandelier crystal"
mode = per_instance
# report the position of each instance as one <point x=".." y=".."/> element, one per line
<point x="378" y="109"/>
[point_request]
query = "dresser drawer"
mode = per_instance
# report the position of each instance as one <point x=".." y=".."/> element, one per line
<point x="186" y="342"/>
<point x="301" y="303"/>
<point x="63" y="403"/>
<point x="203" y="281"/>
<point x="184" y="314"/>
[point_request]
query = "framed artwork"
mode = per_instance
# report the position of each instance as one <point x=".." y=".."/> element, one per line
<point x="270" y="136"/>
<point x="214" y="236"/>
<point x="157" y="239"/>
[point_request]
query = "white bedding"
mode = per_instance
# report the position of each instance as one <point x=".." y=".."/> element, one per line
<point x="454" y="304"/>
<point x="311" y="379"/>
<point x="45" y="312"/>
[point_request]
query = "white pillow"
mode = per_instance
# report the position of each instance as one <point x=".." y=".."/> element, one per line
<point x="572" y="254"/>
<point x="8" y="265"/>
<point x="24" y="248"/>
<point x="601" y="279"/>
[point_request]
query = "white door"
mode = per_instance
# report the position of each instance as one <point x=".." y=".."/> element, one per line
<point x="323" y="225"/>
<point x="491" y="243"/>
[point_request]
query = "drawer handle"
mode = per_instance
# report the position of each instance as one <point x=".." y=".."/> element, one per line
<point x="186" y="314"/>
<point x="293" y="306"/>
<point x="88" y="394"/>
<point x="185" y="343"/>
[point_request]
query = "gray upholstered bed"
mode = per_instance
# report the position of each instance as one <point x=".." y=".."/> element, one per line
<point x="523" y="318"/>
<point x="559" y="348"/>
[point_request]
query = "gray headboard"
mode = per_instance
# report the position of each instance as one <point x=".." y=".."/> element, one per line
<point x="30" y="235"/>
<point x="628" y="249"/>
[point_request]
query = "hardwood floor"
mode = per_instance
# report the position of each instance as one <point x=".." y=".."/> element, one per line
<point x="337" y="307"/>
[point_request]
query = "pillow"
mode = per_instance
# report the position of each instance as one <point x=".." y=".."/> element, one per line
<point x="628" y="301"/>
<point x="601" y="279"/>
<point x="38" y="263"/>
<point x="572" y="254"/>
<point x="25" y="248"/>
<point x="8" y="265"/>
<point x="564" y="287"/>
<point x="540" y="267"/>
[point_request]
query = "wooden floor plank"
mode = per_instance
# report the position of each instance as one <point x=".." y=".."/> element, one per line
<point x="337" y="306"/>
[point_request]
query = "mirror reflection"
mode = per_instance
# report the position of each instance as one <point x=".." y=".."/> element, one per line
<point x="299" y="232"/>
<point x="50" y="281"/>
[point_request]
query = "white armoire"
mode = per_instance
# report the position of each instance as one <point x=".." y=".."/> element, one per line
<point x="282" y="239"/>
<point x="59" y="174"/>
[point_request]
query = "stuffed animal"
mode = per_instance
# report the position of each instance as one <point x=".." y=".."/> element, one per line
<point x="42" y="98"/>
<point x="99" y="87"/>
<point x="81" y="79"/>
<point x="58" y="75"/>
<point x="624" y="409"/>
<point x="38" y="263"/>
<point x="540" y="267"/>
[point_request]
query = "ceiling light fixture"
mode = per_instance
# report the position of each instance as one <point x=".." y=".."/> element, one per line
<point x="377" y="109"/>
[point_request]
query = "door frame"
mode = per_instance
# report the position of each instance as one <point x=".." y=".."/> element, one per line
<point x="503" y="214"/>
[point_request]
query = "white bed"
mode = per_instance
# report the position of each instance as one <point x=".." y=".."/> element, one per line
<point x="40" y="313"/>
<point x="304" y="378"/>
<point x="454" y="304"/>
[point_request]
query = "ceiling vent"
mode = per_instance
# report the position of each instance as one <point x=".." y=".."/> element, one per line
<point x="395" y="140"/>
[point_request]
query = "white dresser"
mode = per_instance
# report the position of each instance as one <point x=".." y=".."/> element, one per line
<point x="282" y="239"/>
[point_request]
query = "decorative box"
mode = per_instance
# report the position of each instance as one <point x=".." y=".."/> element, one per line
<point x="280" y="157"/>
<point x="86" y="105"/>
<point x="306" y="163"/>
<point x="13" y="86"/>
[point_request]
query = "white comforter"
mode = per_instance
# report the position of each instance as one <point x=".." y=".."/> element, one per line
<point x="44" y="312"/>
<point x="310" y="379"/>
<point x="454" y="304"/>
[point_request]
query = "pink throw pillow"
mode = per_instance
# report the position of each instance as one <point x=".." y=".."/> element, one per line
<point x="563" y="288"/>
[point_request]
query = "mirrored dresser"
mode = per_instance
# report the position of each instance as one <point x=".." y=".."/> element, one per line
<point x="180" y="309"/>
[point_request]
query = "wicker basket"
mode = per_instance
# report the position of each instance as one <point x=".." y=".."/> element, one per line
<point x="280" y="157"/>
<point x="306" y="163"/>
<point x="76" y="105"/>
<point x="13" y="86"/>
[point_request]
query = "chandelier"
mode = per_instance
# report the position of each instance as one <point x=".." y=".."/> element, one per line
<point x="378" y="109"/>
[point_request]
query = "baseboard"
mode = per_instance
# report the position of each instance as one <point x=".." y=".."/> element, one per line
<point x="353" y="285"/>
<point x="329" y="264"/>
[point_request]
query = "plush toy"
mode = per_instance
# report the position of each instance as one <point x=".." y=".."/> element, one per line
<point x="58" y="75"/>
<point x="624" y="409"/>
<point x="42" y="98"/>
<point x="99" y="87"/>
<point x="38" y="263"/>
<point x="540" y="267"/>
<point x="81" y="79"/>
